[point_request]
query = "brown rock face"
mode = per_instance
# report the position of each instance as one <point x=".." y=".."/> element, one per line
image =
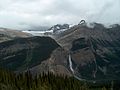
<point x="94" y="51"/>
<point x="56" y="64"/>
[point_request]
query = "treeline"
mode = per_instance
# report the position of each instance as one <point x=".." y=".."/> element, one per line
<point x="49" y="81"/>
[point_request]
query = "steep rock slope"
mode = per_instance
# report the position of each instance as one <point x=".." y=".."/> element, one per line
<point x="57" y="63"/>
<point x="95" y="51"/>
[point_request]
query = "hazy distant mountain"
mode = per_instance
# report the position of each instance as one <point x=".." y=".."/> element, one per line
<point x="8" y="34"/>
<point x="39" y="28"/>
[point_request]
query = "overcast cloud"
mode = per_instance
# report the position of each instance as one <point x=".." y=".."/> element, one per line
<point x="26" y="13"/>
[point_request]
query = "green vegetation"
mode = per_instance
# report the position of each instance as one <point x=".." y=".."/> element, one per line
<point x="79" y="44"/>
<point x="25" y="81"/>
<point x="23" y="53"/>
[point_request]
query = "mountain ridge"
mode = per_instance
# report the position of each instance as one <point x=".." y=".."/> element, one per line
<point x="94" y="52"/>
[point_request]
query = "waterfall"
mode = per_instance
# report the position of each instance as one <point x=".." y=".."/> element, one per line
<point x="81" y="79"/>
<point x="70" y="63"/>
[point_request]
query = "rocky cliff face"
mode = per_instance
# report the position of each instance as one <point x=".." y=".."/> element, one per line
<point x="59" y="28"/>
<point x="95" y="51"/>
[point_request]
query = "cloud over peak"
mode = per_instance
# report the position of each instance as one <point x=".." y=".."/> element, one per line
<point x="24" y="13"/>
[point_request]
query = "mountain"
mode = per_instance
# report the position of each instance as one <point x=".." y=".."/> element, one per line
<point x="57" y="63"/>
<point x="87" y="52"/>
<point x="38" y="28"/>
<point x="9" y="34"/>
<point x="59" y="28"/>
<point x="23" y="53"/>
<point x="94" y="51"/>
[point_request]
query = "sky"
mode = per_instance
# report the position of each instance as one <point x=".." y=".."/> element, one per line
<point x="23" y="14"/>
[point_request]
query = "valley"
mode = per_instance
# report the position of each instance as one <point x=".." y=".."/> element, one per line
<point x="87" y="53"/>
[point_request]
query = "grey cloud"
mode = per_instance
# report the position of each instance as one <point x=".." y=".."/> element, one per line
<point x="26" y="13"/>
